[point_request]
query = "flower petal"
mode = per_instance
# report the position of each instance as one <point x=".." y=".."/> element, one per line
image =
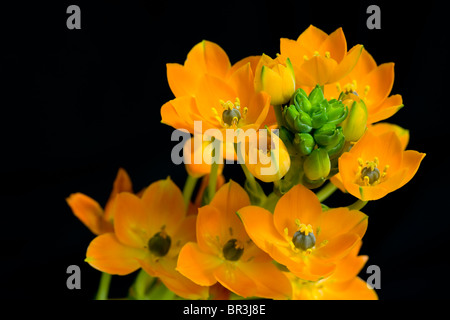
<point x="270" y="282"/>
<point x="228" y="200"/>
<point x="89" y="212"/>
<point x="338" y="221"/>
<point x="312" y="38"/>
<point x="106" y="253"/>
<point x="380" y="81"/>
<point x="132" y="225"/>
<point x="388" y="108"/>
<point x="315" y="70"/>
<point x="335" y="44"/>
<point x="338" y="247"/>
<point x="197" y="265"/>
<point x="122" y="183"/>
<point x="234" y="279"/>
<point x="212" y="232"/>
<point x="164" y="206"/>
<point x="299" y="203"/>
<point x="411" y="161"/>
<point x="347" y="64"/>
<point x="208" y="57"/>
<point x="182" y="81"/>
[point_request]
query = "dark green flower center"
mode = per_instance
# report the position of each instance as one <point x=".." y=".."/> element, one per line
<point x="159" y="244"/>
<point x="372" y="175"/>
<point x="231" y="116"/>
<point x="233" y="250"/>
<point x="304" y="239"/>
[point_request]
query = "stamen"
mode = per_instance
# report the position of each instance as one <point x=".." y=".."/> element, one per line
<point x="327" y="54"/>
<point x="338" y="87"/>
<point x="366" y="90"/>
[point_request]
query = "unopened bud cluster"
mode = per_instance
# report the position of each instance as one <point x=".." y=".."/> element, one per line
<point x="317" y="129"/>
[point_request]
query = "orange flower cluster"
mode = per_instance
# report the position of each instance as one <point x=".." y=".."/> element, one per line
<point x="326" y="103"/>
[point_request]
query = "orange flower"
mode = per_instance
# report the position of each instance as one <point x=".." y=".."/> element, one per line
<point x="148" y="233"/>
<point x="378" y="129"/>
<point x="266" y="156"/>
<point x="207" y="89"/>
<point x="372" y="84"/>
<point x="300" y="236"/>
<point x="319" y="58"/>
<point x="343" y="284"/>
<point x="89" y="211"/>
<point x="377" y="165"/>
<point x="224" y="253"/>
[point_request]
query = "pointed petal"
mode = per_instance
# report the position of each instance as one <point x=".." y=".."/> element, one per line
<point x="132" y="225"/>
<point x="259" y="225"/>
<point x="347" y="64"/>
<point x="208" y="57"/>
<point x="228" y="200"/>
<point x="178" y="113"/>
<point x="212" y="230"/>
<point x="164" y="205"/>
<point x="232" y="278"/>
<point x="383" y="127"/>
<point x="411" y="160"/>
<point x="122" y="183"/>
<point x="380" y="81"/>
<point x="365" y="64"/>
<point x="89" y="212"/>
<point x="182" y="81"/>
<point x="335" y="44"/>
<point x="197" y="265"/>
<point x="106" y="253"/>
<point x="338" y="221"/>
<point x="312" y="38"/>
<point x="270" y="282"/>
<point x="386" y="109"/>
<point x="356" y="290"/>
<point x="299" y="203"/>
<point x="338" y="247"/>
<point x="184" y="287"/>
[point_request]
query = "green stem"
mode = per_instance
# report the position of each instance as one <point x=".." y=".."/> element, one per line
<point x="326" y="191"/>
<point x="358" y="205"/>
<point x="103" y="289"/>
<point x="188" y="189"/>
<point x="248" y="175"/>
<point x="212" y="180"/>
<point x="279" y="115"/>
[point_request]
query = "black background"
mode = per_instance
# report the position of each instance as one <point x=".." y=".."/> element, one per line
<point x="78" y="104"/>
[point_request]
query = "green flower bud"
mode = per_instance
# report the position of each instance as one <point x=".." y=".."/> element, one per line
<point x="319" y="115"/>
<point x="336" y="112"/>
<point x="301" y="102"/>
<point x="336" y="149"/>
<point x="316" y="96"/>
<point x="354" y="125"/>
<point x="304" y="143"/>
<point x="317" y="164"/>
<point x="326" y="135"/>
<point x="297" y="120"/>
